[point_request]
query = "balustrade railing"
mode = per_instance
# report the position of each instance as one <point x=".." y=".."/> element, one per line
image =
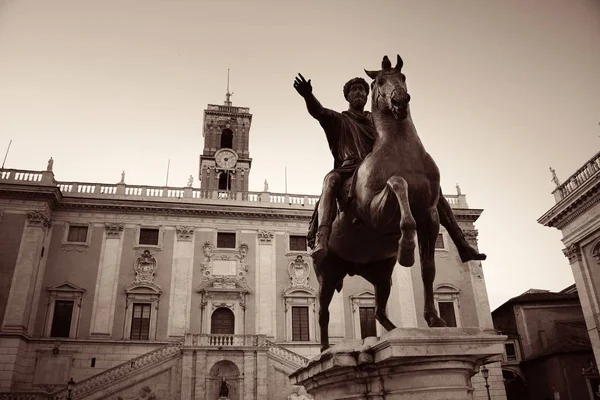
<point x="24" y="396"/>
<point x="223" y="340"/>
<point x="88" y="189"/>
<point x="286" y="354"/>
<point x="582" y="175"/>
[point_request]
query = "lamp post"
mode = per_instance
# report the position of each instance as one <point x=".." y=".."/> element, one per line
<point x="70" y="387"/>
<point x="486" y="373"/>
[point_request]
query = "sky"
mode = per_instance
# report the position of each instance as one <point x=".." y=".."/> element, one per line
<point x="501" y="90"/>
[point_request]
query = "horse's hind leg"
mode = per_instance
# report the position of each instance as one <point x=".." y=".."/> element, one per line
<point x="428" y="229"/>
<point x="380" y="275"/>
<point x="332" y="275"/>
<point x="406" y="253"/>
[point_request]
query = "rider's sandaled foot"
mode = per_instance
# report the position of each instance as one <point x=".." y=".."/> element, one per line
<point x="470" y="254"/>
<point x="318" y="254"/>
<point x="320" y="251"/>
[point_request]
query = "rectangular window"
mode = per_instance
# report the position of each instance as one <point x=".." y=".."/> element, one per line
<point x="511" y="351"/>
<point x="226" y="240"/>
<point x="149" y="236"/>
<point x="439" y="243"/>
<point x="61" y="321"/>
<point x="297" y="243"/>
<point x="140" y="322"/>
<point x="367" y="322"/>
<point x="300" y="324"/>
<point x="447" y="313"/>
<point x="77" y="234"/>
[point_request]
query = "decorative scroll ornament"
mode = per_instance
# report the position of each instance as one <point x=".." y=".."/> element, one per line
<point x="207" y="249"/>
<point x="299" y="271"/>
<point x="265" y="236"/>
<point x="38" y="218"/>
<point x="471" y="235"/>
<point x="113" y="230"/>
<point x="145" y="269"/>
<point x="184" y="233"/>
<point x="573" y="253"/>
<point x="210" y="255"/>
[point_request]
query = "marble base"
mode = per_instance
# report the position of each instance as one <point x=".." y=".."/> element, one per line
<point x="406" y="363"/>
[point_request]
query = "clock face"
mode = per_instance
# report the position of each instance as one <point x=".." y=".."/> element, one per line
<point x="226" y="158"/>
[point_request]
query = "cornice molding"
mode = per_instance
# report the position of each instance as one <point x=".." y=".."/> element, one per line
<point x="566" y="211"/>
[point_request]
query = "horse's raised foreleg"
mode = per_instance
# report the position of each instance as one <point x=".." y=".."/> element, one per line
<point x="406" y="252"/>
<point x="428" y="229"/>
<point x="333" y="273"/>
<point x="380" y="275"/>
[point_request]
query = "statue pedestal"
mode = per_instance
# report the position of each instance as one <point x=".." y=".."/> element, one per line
<point x="406" y="363"/>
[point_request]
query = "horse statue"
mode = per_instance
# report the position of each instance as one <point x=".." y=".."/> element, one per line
<point x="395" y="196"/>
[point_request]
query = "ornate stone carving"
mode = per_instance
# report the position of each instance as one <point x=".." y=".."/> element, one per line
<point x="265" y="236"/>
<point x="144" y="393"/>
<point x="210" y="254"/>
<point x="573" y="253"/>
<point x="113" y="230"/>
<point x="471" y="236"/>
<point x="38" y="218"/>
<point x="299" y="271"/>
<point x="185" y="233"/>
<point x="145" y="268"/>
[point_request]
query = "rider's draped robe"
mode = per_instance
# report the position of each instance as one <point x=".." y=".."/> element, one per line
<point x="350" y="137"/>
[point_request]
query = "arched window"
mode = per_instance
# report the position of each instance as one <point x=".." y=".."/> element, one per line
<point x="222" y="321"/>
<point x="225" y="181"/>
<point x="226" y="139"/>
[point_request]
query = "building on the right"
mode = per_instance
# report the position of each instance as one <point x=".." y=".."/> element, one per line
<point x="577" y="215"/>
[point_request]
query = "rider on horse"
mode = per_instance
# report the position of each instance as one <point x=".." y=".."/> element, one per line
<point x="351" y="135"/>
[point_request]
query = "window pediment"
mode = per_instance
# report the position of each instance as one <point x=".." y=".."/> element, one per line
<point x="300" y="292"/>
<point x="446" y="288"/>
<point x="366" y="295"/>
<point x="66" y="287"/>
<point x="143" y="288"/>
<point x="223" y="284"/>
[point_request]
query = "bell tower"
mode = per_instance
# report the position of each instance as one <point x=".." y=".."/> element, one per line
<point x="225" y="161"/>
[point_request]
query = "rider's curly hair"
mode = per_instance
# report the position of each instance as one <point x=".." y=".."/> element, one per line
<point x="352" y="82"/>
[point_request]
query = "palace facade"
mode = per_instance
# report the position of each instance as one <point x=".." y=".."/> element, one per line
<point x="162" y="292"/>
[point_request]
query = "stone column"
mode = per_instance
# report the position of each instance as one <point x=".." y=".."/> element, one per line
<point x="587" y="295"/>
<point x="404" y="364"/>
<point x="107" y="281"/>
<point x="403" y="310"/>
<point x="265" y="285"/>
<point x="180" y="296"/>
<point x="480" y="295"/>
<point x="262" y="366"/>
<point x="29" y="259"/>
<point x="249" y="375"/>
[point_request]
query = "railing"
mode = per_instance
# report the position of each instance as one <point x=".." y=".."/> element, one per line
<point x="118" y="372"/>
<point x="222" y="340"/>
<point x="188" y="194"/>
<point x="581" y="176"/>
<point x="228" y="109"/>
<point x="286" y="354"/>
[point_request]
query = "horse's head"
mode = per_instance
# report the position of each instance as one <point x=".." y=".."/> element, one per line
<point x="389" y="89"/>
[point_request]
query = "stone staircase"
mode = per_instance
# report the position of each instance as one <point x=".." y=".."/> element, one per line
<point x="121" y="371"/>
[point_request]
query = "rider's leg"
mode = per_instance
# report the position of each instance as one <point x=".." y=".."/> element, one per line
<point x="327" y="211"/>
<point x="448" y="221"/>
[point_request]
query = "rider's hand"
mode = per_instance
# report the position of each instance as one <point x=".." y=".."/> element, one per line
<point x="302" y="86"/>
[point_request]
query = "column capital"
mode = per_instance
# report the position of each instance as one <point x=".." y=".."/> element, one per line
<point x="113" y="230"/>
<point x="573" y="253"/>
<point x="471" y="236"/>
<point x="39" y="219"/>
<point x="265" y="236"/>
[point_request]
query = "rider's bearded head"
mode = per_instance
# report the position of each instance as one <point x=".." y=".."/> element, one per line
<point x="357" y="100"/>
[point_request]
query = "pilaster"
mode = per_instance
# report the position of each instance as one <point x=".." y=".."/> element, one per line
<point x="402" y="299"/>
<point x="265" y="287"/>
<point x="249" y="375"/>
<point x="107" y="281"/>
<point x="181" y="282"/>
<point x="30" y="260"/>
<point x="587" y="295"/>
<point x="480" y="295"/>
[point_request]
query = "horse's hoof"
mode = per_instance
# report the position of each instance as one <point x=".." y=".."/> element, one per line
<point x="436" y="322"/>
<point x="471" y="254"/>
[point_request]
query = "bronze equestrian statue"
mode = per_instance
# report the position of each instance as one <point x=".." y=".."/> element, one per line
<point x="393" y="192"/>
